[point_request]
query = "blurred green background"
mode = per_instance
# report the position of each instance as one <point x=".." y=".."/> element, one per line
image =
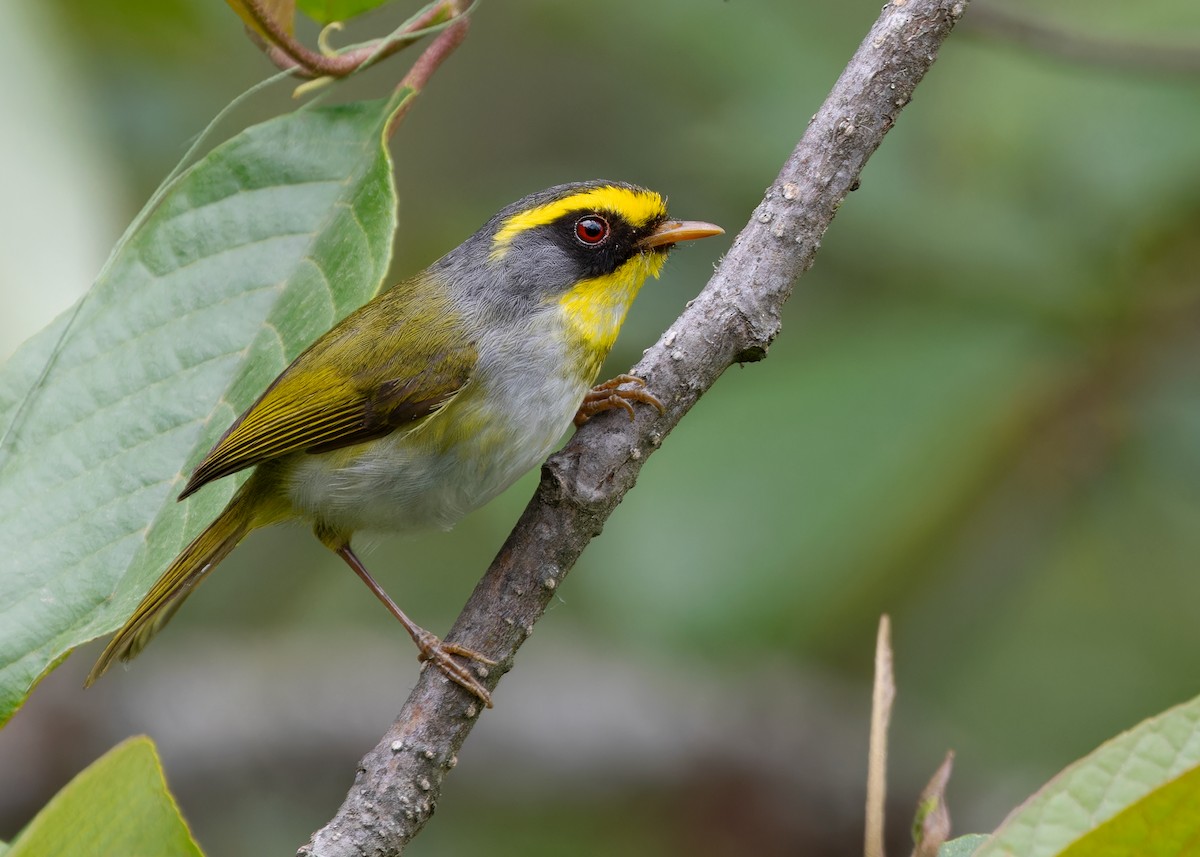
<point x="982" y="417"/>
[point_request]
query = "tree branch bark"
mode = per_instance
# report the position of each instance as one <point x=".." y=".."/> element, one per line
<point x="733" y="320"/>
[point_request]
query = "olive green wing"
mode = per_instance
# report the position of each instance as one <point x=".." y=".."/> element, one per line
<point x="379" y="370"/>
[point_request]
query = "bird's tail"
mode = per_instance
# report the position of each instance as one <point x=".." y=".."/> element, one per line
<point x="193" y="564"/>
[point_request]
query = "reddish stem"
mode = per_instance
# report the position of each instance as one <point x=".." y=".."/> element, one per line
<point x="427" y="63"/>
<point x="436" y="15"/>
<point x="290" y="55"/>
<point x="307" y="60"/>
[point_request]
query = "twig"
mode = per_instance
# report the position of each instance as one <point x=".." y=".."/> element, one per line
<point x="734" y="319"/>
<point x="1029" y="32"/>
<point x="883" y="696"/>
<point x="427" y="63"/>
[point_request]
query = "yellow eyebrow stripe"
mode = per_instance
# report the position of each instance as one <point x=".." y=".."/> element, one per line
<point x="639" y="207"/>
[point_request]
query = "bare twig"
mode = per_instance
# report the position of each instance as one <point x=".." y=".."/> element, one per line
<point x="1078" y="47"/>
<point x="881" y="716"/>
<point x="734" y="319"/>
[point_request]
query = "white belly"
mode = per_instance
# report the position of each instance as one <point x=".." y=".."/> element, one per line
<point x="452" y="463"/>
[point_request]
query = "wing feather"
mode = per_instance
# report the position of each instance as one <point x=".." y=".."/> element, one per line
<point x="380" y="369"/>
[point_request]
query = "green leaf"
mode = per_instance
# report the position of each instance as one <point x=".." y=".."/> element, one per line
<point x="327" y="11"/>
<point x="118" y="806"/>
<point x="251" y="254"/>
<point x="963" y="846"/>
<point x="1165" y="822"/>
<point x="1138" y="794"/>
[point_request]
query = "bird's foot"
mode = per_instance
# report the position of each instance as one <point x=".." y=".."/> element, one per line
<point x="611" y="394"/>
<point x="434" y="651"/>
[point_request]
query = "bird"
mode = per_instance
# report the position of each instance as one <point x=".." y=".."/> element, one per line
<point x="436" y="395"/>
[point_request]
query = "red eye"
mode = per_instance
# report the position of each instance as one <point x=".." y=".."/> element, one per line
<point x="591" y="230"/>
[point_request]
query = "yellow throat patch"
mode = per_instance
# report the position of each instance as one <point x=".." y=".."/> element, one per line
<point x="595" y="309"/>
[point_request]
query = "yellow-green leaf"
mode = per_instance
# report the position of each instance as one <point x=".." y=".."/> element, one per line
<point x="327" y="11"/>
<point x="1138" y="794"/>
<point x="1165" y="823"/>
<point x="118" y="806"/>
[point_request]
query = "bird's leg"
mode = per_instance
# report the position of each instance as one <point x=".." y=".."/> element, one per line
<point x="431" y="648"/>
<point x="609" y="395"/>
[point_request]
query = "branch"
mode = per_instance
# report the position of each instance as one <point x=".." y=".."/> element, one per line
<point x="733" y="320"/>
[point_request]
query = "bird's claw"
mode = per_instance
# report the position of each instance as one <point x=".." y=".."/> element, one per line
<point x="434" y="651"/>
<point x="609" y="395"/>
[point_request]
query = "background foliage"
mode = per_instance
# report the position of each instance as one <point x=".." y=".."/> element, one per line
<point x="981" y="417"/>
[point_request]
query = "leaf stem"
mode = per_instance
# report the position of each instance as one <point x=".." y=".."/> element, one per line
<point x="427" y="63"/>
<point x="305" y="60"/>
<point x="286" y="52"/>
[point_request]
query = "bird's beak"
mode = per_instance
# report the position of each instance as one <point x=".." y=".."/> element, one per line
<point x="674" y="231"/>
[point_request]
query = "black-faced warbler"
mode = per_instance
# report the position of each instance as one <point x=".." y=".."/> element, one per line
<point x="438" y="394"/>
